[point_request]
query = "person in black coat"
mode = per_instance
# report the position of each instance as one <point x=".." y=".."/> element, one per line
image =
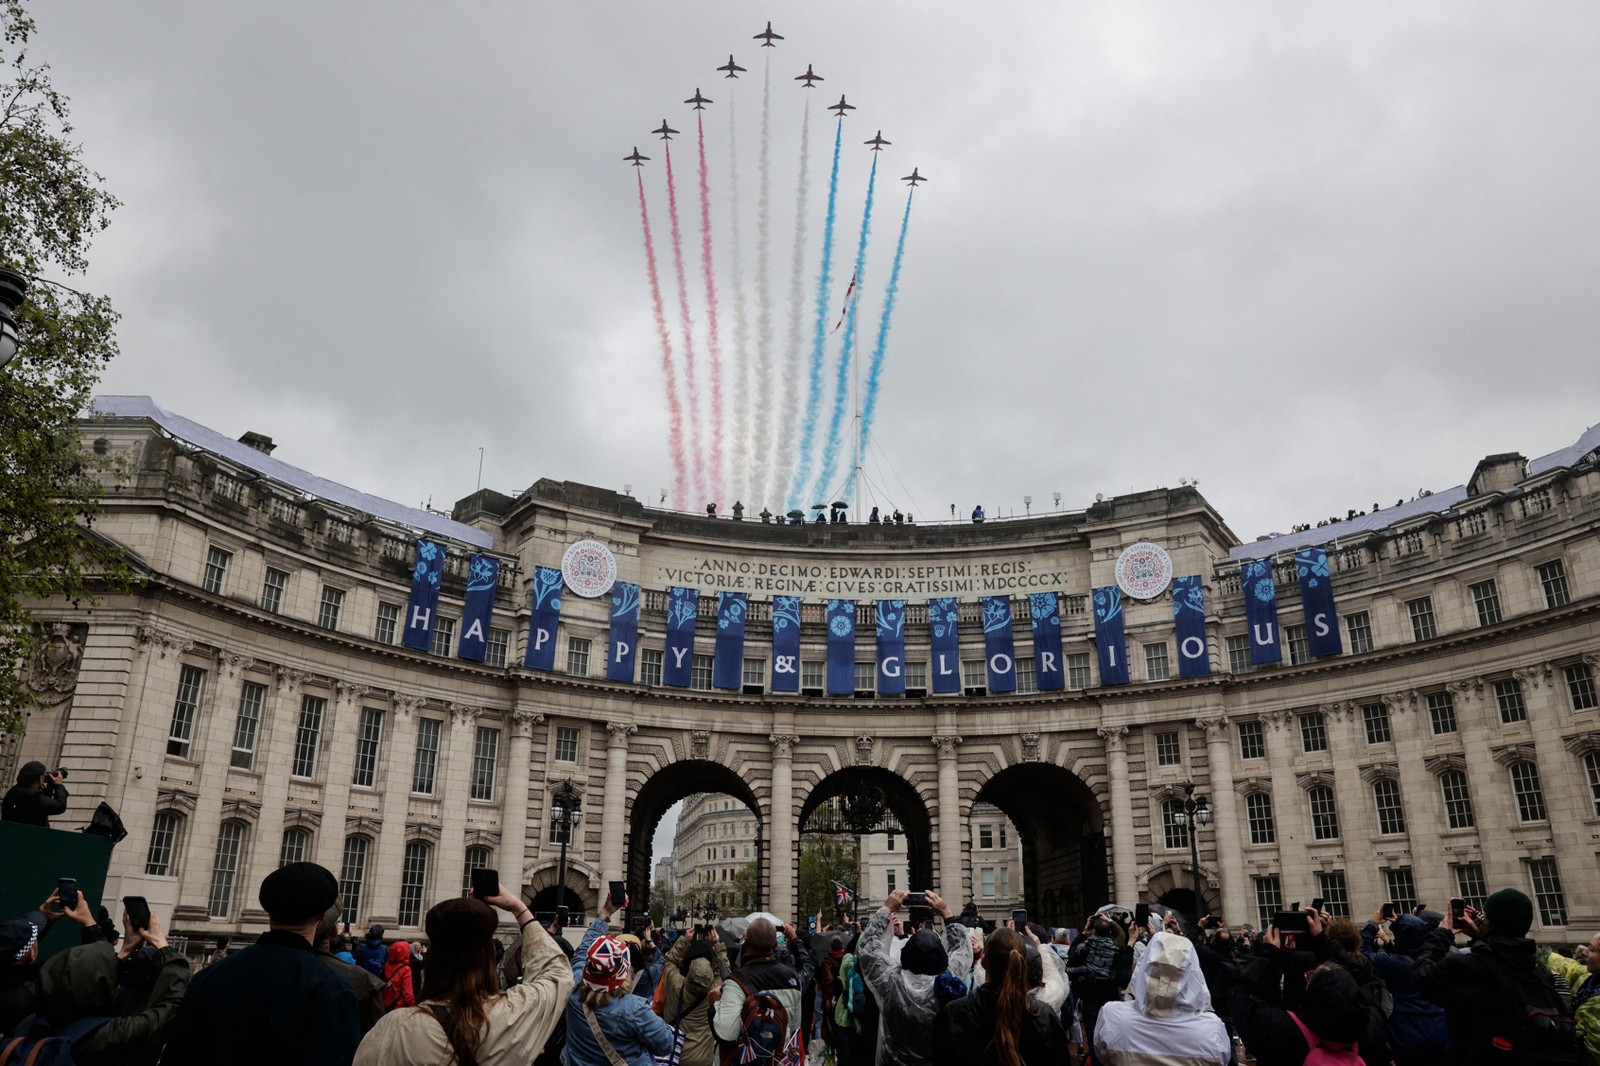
<point x="998" y="1015"/>
<point x="38" y="796"/>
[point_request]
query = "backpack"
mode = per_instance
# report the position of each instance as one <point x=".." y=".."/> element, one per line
<point x="372" y="957"/>
<point x="1330" y="1054"/>
<point x="763" y="1031"/>
<point x="36" y="1044"/>
<point x="1533" y="1028"/>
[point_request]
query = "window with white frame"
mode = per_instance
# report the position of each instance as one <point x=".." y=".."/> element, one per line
<point x="1591" y="771"/>
<point x="272" y="590"/>
<point x="1375" y="718"/>
<point x="1486" y="600"/>
<point x="1258" y="813"/>
<point x="701" y="671"/>
<point x="216" y="576"/>
<point x="180" y="734"/>
<point x="444" y="637"/>
<point x="1529" y="792"/>
<point x="578" y="656"/>
<point x="369" y="734"/>
<point x="296" y="846"/>
<point x="1239" y="654"/>
<point x="1324" y="813"/>
<point x="1580" y="687"/>
<point x="1386" y="799"/>
<point x="425" y="761"/>
<point x="224" y="869"/>
<point x="1168" y="750"/>
<point x="477" y="857"/>
<point x="1335" y="893"/>
<point x="497" y="647"/>
<point x="986" y="879"/>
<point x="1027" y="676"/>
<point x="1299" y="650"/>
<point x="413" y="881"/>
<point x="1358" y="627"/>
<point x="1470" y="884"/>
<point x="1545" y="878"/>
<point x="1553" y="579"/>
<point x="330" y="608"/>
<point x="388" y="624"/>
<point x="308" y="736"/>
<point x="352" y="874"/>
<point x="916" y="676"/>
<point x="753" y="672"/>
<point x="1313" y="732"/>
<point x="1269" y="899"/>
<point x="1078" y="672"/>
<point x="485" y="757"/>
<point x="1156" y="667"/>
<point x="650" y="664"/>
<point x="247" y="727"/>
<point x="813" y="674"/>
<point x="566" y="744"/>
<point x="1422" y="624"/>
<point x="974" y="674"/>
<point x="1508" y="697"/>
<point x="1174" y="834"/>
<point x="1402" y="888"/>
<point x="1252" y="741"/>
<point x="1441" y="712"/>
<point x="866" y="677"/>
<point x="985" y="836"/>
<point x="161" y="858"/>
<point x="1457" y="799"/>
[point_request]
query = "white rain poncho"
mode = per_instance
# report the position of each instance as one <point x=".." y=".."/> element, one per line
<point x="1169" y="1022"/>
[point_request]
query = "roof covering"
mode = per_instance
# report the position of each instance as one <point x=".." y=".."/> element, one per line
<point x="1568" y="456"/>
<point x="283" y="473"/>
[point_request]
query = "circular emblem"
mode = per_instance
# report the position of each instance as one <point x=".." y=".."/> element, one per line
<point x="589" y="568"/>
<point x="1144" y="570"/>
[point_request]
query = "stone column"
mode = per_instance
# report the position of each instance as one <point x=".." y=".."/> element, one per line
<point x="1225" y="817"/>
<point x="781" y="829"/>
<point x="1124" y="869"/>
<point x="952" y="882"/>
<point x="513" y="857"/>
<point x="613" y="823"/>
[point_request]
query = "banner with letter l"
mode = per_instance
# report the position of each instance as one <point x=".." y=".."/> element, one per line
<point x="483" y="575"/>
<point x="423" y="607"/>
<point x="1261" y="611"/>
<point x="999" y="644"/>
<point x="944" y="644"/>
<point x="541" y="654"/>
<point x="1045" y="607"/>
<point x="891" y="647"/>
<point x="683" y="608"/>
<point x="624" y="632"/>
<point x="841" y="647"/>
<point x="727" y="669"/>
<point x="1316" y="600"/>
<point x="786" y="643"/>
<point x="1110" y="645"/>
<point x="1189" y="617"/>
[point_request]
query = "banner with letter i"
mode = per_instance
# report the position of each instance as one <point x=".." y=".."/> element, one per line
<point x="891" y="647"/>
<point x="841" y="647"/>
<point x="1109" y="642"/>
<point x="999" y="644"/>
<point x="424" y="603"/>
<point x="1261" y="611"/>
<point x="1316" y="600"/>
<point x="683" y="607"/>
<point x="1045" y="607"/>
<point x="546" y="618"/>
<point x="483" y="575"/>
<point x="727" y="669"/>
<point x="786" y="643"/>
<point x="624" y="632"/>
<point x="1189" y="617"/>
<point x="944" y="644"/>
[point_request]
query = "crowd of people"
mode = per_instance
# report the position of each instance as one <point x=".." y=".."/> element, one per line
<point x="914" y="985"/>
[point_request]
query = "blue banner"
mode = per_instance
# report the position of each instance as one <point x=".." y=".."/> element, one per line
<point x="624" y="632"/>
<point x="1316" y="600"/>
<point x="944" y="644"/>
<point x="786" y="643"/>
<point x="1048" y="667"/>
<point x="424" y="604"/>
<point x="483" y="575"/>
<point x="999" y="644"/>
<point x="546" y="617"/>
<point x="683" y="607"/>
<point x="1261" y="611"/>
<point x="891" y="647"/>
<point x="1108" y="636"/>
<point x="1189" y="616"/>
<point x="841" y="647"/>
<point x="727" y="669"/>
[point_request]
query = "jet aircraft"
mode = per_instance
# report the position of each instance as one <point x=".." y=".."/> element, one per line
<point x="913" y="178"/>
<point x="766" y="37"/>
<point x="666" y="131"/>
<point x="698" y="101"/>
<point x="878" y="142"/>
<point x="636" y="159"/>
<point x="732" y="68"/>
<point x="808" y="77"/>
<point x="841" y="107"/>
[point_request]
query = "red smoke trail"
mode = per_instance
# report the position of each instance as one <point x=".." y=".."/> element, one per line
<point x="696" y="460"/>
<point x="719" y="486"/>
<point x="680" y="489"/>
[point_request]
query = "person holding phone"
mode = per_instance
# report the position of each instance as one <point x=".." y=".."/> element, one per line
<point x="907" y="989"/>
<point x="606" y="1024"/>
<point x="1169" y="1018"/>
<point x="1419" y="1034"/>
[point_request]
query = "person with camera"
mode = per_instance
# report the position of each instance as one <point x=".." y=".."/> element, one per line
<point x="696" y="964"/>
<point x="606" y="1023"/>
<point x="1418" y="1032"/>
<point x="1169" y="1019"/>
<point x="907" y="990"/>
<point x="39" y="795"/>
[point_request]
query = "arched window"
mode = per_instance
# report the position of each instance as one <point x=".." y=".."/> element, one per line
<point x="1457" y="799"/>
<point x="1530" y="794"/>
<point x="1175" y="833"/>
<point x="296" y="846"/>
<point x="1591" y="768"/>
<point x="1258" y="809"/>
<point x="413" y="881"/>
<point x="1324" y="813"/>
<point x="162" y="858"/>
<point x="224" y="869"/>
<point x="478" y="858"/>
<point x="352" y="872"/>
<point x="1386" y="797"/>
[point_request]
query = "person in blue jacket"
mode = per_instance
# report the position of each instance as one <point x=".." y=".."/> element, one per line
<point x="602" y="1013"/>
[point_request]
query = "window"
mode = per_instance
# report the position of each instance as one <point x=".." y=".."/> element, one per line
<point x="1002" y="834"/>
<point x="191" y="682"/>
<point x="216" y="578"/>
<point x="1269" y="900"/>
<point x="1174" y="835"/>
<point x="1375" y="716"/>
<point x="1486" y="598"/>
<point x="425" y="763"/>
<point x="1442" y="712"/>
<point x="1553" y="576"/>
<point x="444" y="637"/>
<point x="1335" y="893"/>
<point x="754" y="672"/>
<point x="1005" y="881"/>
<point x="578" y="657"/>
<point x="813" y="674"/>
<point x="296" y="846"/>
<point x="485" y="754"/>
<point x="1239" y="654"/>
<point x="890" y="844"/>
<point x="247" y="727"/>
<point x="368" y="736"/>
<point x="1168" y="752"/>
<point x="1402" y="888"/>
<point x="1508" y="696"/>
<point x="650" y="660"/>
<point x="1422" y="625"/>
<point x="1155" y="662"/>
<point x="272" y="590"/>
<point x="1530" y="794"/>
<point x="1258" y="811"/>
<point x="1547" y="891"/>
<point x="985" y="836"/>
<point x="1299" y="650"/>
<point x="1359" y="628"/>
<point x="700" y="672"/>
<point x="1078" y="676"/>
<point x="1580" y="686"/>
<point x="1027" y="675"/>
<point x="388" y="623"/>
<point x="1324" y="814"/>
<point x="224" y="869"/>
<point x="1470" y="884"/>
<point x="353" y="871"/>
<point x="478" y="857"/>
<point x="332" y="604"/>
<point x="1591" y="769"/>
<point x="566" y="744"/>
<point x="916" y="676"/>
<point x="413" y="881"/>
<point x="160" y="861"/>
<point x="1252" y="743"/>
<point x="891" y="879"/>
<point x="1313" y="732"/>
<point x="974" y="674"/>
<point x="307" y="735"/>
<point x="866" y="677"/>
<point x="1457" y="799"/>
<point x="1386" y="798"/>
<point x="496" y="647"/>
<point x="986" y="879"/>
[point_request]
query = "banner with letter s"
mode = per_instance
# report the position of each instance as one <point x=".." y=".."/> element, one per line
<point x="1045" y="607"/>
<point x="424" y="603"/>
<point x="624" y="631"/>
<point x="786" y="643"/>
<point x="1261" y="611"/>
<point x="944" y="644"/>
<point x="841" y="647"/>
<point x="683" y="608"/>
<point x="891" y="647"/>
<point x="1316" y="600"/>
<point x="483" y="574"/>
<point x="541" y="654"/>
<point x="1189" y="617"/>
<point x="727" y="669"/>
<point x="1109" y="641"/>
<point x="999" y="644"/>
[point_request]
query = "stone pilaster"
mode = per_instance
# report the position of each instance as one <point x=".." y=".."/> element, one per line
<point x="1124" y="864"/>
<point x="1225" y="817"/>
<point x="613" y="820"/>
<point x="951" y="881"/>
<point x="781" y="830"/>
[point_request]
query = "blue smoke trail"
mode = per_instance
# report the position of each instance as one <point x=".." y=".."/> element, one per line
<point x="869" y="406"/>
<point x="808" y="430"/>
<point x="841" y="387"/>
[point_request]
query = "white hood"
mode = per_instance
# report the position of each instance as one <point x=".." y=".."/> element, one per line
<point x="1167" y="980"/>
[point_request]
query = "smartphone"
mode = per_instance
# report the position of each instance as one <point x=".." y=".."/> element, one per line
<point x="485" y="883"/>
<point x="1141" y="915"/>
<point x="1019" y="921"/>
<point x="1292" y="922"/>
<point x="1295" y="905"/>
<point x="916" y="899"/>
<point x="67" y="887"/>
<point x="619" y="894"/>
<point x="1390" y="910"/>
<point x="1458" y="908"/>
<point x="640" y="922"/>
<point x="138" y="911"/>
<point x="1316" y="904"/>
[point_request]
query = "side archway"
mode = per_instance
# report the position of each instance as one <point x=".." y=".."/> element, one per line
<point x="661" y="790"/>
<point x="1062" y="828"/>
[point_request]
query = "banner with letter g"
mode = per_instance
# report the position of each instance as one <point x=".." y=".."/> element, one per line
<point x="891" y="647"/>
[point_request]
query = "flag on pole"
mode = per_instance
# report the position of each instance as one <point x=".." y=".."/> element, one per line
<point x="848" y="294"/>
<point x="842" y="896"/>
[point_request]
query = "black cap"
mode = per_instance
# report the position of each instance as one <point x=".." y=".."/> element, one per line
<point x="298" y="892"/>
<point x="924" y="954"/>
<point x="31" y="772"/>
<point x="18" y="935"/>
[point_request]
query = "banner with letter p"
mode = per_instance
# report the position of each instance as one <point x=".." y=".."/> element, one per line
<point x="1045" y="607"/>
<point x="624" y="632"/>
<point x="786" y="643"/>
<point x="423" y="606"/>
<point x="841" y="647"/>
<point x="683" y="608"/>
<point x="541" y="654"/>
<point x="1316" y="600"/>
<point x="891" y="647"/>
<point x="1109" y="641"/>
<point x="944" y="644"/>
<point x="1189" y="617"/>
<point x="999" y="644"/>
<point x="1261" y="611"/>
<point x="727" y="669"/>
<point x="482" y="576"/>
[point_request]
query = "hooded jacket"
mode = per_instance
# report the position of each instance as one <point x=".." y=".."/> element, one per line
<point x="1333" y="1006"/>
<point x="27" y="804"/>
<point x="372" y="954"/>
<point x="85" y="982"/>
<point x="1169" y="1022"/>
<point x="1416" y="1023"/>
<point x="397" y="989"/>
<point x="907" y="1003"/>
<point x="1462" y="982"/>
<point x="683" y="991"/>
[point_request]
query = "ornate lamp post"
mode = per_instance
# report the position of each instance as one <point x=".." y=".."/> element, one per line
<point x="566" y="814"/>
<point x="13" y="287"/>
<point x="1195" y="814"/>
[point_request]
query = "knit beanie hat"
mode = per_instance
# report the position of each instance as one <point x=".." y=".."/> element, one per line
<point x="607" y="966"/>
<point x="1510" y="913"/>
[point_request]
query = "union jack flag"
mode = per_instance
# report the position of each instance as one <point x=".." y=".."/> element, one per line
<point x="848" y="293"/>
<point x="842" y="896"/>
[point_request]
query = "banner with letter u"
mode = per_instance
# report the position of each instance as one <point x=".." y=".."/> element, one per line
<point x="1261" y="611"/>
<point x="624" y="631"/>
<point x="891" y="647"/>
<point x="683" y="607"/>
<point x="483" y="575"/>
<point x="786" y="643"/>
<point x="424" y="603"/>
<point x="1316" y="600"/>
<point x="1045" y="607"/>
<point x="1189" y="616"/>
<point x="1109" y="641"/>
<point x="999" y="644"/>
<point x="727" y="669"/>
<point x="541" y="653"/>
<point x="944" y="644"/>
<point x="841" y="647"/>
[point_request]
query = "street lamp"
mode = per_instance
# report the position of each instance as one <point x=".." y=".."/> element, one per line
<point x="566" y="814"/>
<point x="13" y="287"/>
<point x="1195" y="814"/>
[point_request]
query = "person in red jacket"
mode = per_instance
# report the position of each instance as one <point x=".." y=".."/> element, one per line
<point x="398" y="992"/>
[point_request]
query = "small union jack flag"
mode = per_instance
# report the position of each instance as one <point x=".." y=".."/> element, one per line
<point x="842" y="896"/>
<point x="848" y="293"/>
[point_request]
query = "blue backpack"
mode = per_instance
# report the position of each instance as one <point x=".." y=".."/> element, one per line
<point x="37" y="1044"/>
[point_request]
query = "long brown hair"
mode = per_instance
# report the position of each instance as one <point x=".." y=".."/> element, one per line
<point x="460" y="971"/>
<point x="1006" y="962"/>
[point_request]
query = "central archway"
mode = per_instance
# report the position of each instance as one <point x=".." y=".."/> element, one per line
<point x="667" y="786"/>
<point x="871" y="796"/>
<point x="1063" y="836"/>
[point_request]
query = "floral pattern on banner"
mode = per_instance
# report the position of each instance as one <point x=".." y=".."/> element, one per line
<point x="1188" y="595"/>
<point x="1107" y="603"/>
<point x="943" y="615"/>
<point x="1045" y="608"/>
<point x="683" y="605"/>
<point x="430" y="558"/>
<point x="1312" y="566"/>
<point x="891" y="619"/>
<point x="547" y="589"/>
<point x="483" y="574"/>
<point x="624" y="600"/>
<point x="785" y="613"/>
<point x="996" y="613"/>
<point x="730" y="610"/>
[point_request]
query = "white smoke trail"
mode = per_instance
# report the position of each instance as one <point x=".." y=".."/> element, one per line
<point x="789" y="415"/>
<point x="745" y="480"/>
<point x="763" y="405"/>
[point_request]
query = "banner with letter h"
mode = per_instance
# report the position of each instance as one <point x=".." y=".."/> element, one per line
<point x="424" y="603"/>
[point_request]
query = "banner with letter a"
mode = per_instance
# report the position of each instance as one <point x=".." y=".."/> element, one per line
<point x="1316" y="599"/>
<point x="786" y="643"/>
<point x="424" y="604"/>
<point x="541" y="653"/>
<point x="482" y="576"/>
<point x="1109" y="642"/>
<point x="727" y="669"/>
<point x="841" y="647"/>
<point x="1261" y="611"/>
<point x="624" y="632"/>
<point x="999" y="644"/>
<point x="1047" y="664"/>
<point x="944" y="644"/>
<point x="683" y="607"/>
<point x="891" y="647"/>
<point x="1189" y="616"/>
